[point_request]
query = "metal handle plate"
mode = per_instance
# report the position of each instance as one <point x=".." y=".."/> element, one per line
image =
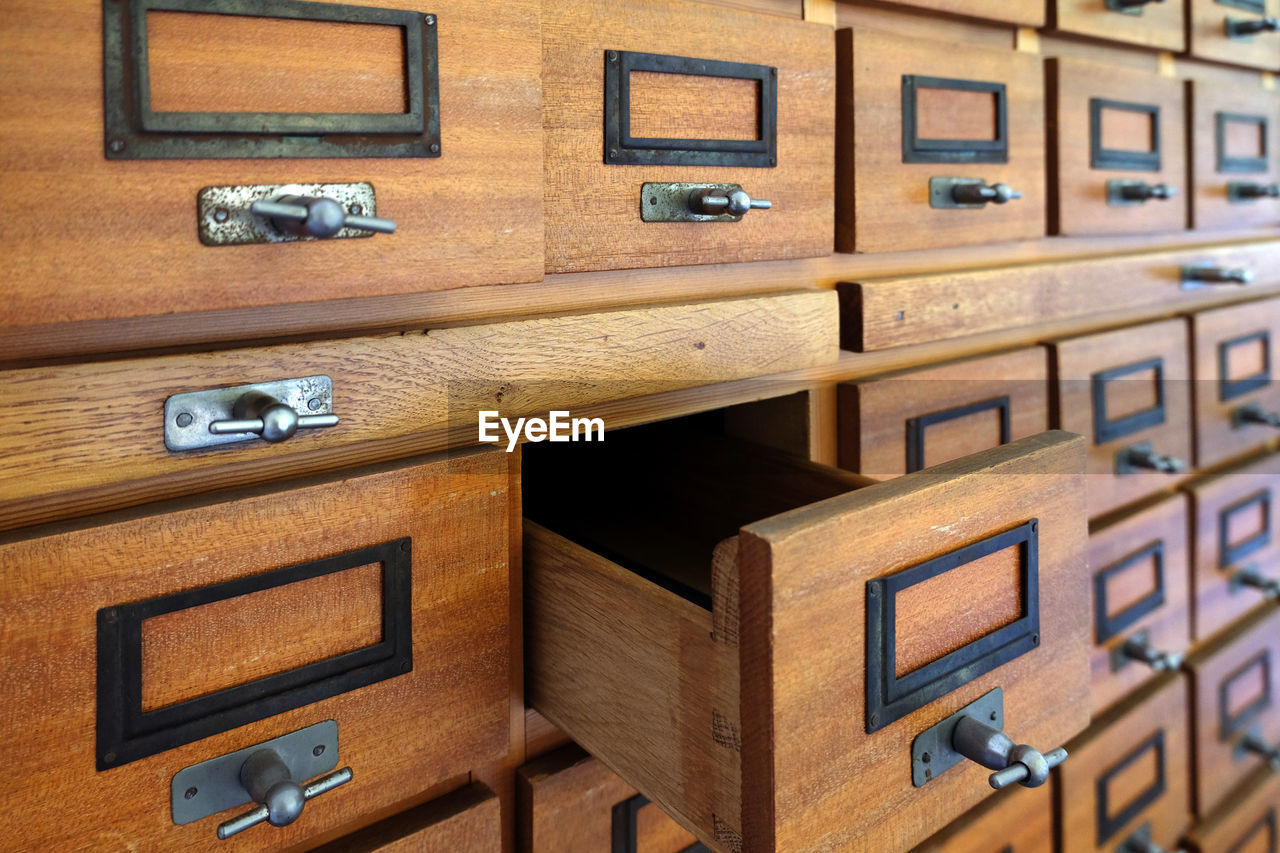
<point x="218" y="416"/>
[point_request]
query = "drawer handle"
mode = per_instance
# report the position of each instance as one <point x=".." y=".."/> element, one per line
<point x="1253" y="742"/>
<point x="968" y="193"/>
<point x="1128" y="5"/>
<point x="710" y="202"/>
<point x="1196" y="275"/>
<point x="685" y="202"/>
<point x="1013" y="762"/>
<point x="1139" y="648"/>
<point x="316" y="216"/>
<point x="268" y="782"/>
<point x="1240" y="28"/>
<point x="1126" y="193"/>
<point x="1142" y="457"/>
<point x="1251" y="578"/>
<point x="1253" y="413"/>
<point x="268" y="418"/>
<point x="1246" y="192"/>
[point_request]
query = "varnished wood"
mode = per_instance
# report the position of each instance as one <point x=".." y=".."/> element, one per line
<point x="882" y="203"/>
<point x="467" y="821"/>
<point x="1168" y="626"/>
<point x="592" y="207"/>
<point x="1211" y="208"/>
<point x="399" y="735"/>
<point x="1244" y="823"/>
<point x="1020" y="819"/>
<point x="91" y="239"/>
<point x="1028" y="13"/>
<point x="1208" y="40"/>
<point x="1080" y="191"/>
<point x="1159" y="26"/>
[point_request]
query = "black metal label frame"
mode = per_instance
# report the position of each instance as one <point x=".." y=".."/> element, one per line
<point x="135" y="132"/>
<point x="1268" y="823"/>
<point x="1109" y="824"/>
<point x="621" y="148"/>
<point x="1230" y="554"/>
<point x="1240" y="165"/>
<point x="1229" y="389"/>
<point x="1104" y="428"/>
<point x="125" y="732"/>
<point x="1106" y="627"/>
<point x="624" y="827"/>
<point x="1229" y="725"/>
<point x="891" y="698"/>
<point x="916" y="426"/>
<point x="918" y="150"/>
<point x="1117" y="158"/>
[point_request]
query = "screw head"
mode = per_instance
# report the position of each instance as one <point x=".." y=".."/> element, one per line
<point x="221" y="215"/>
<point x="613" y="56"/>
<point x="318" y="751"/>
<point x="356" y="209"/>
<point x="184" y="419"/>
<point x="613" y="152"/>
<point x="406" y="667"/>
<point x="993" y="716"/>
<point x="435" y="148"/>
<point x="190" y="792"/>
<point x="117" y="145"/>
<point x="925" y="758"/>
<point x="110" y="757"/>
<point x="314" y="403"/>
<point x="875" y="719"/>
<point x="111" y="616"/>
<point x="431" y="20"/>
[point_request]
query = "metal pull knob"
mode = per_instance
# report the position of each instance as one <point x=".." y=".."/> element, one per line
<point x="1252" y="192"/>
<point x="713" y="202"/>
<point x="1140" y="191"/>
<point x="1137" y="844"/>
<point x="1241" y="28"/>
<point x="268" y="418"/>
<point x="1140" y="649"/>
<point x="1252" y="413"/>
<point x="1252" y="742"/>
<point x="1217" y="275"/>
<point x="982" y="194"/>
<point x="316" y="216"/>
<point x="993" y="749"/>
<point x="1251" y="578"/>
<point x="1142" y="457"/>
<point x="267" y="780"/>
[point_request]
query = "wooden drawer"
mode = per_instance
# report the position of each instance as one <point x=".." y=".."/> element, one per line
<point x="1233" y="350"/>
<point x="641" y="93"/>
<point x="1159" y="24"/>
<point x="1017" y="821"/>
<point x="1028" y="13"/>
<point x="1127" y="391"/>
<point x="1247" y="823"/>
<point x="1207" y="25"/>
<point x="911" y="116"/>
<point x="902" y="423"/>
<point x="110" y="228"/>
<point x="1130" y="774"/>
<point x="1235" y="134"/>
<point x="571" y="801"/>
<point x="145" y="643"/>
<point x="1114" y="131"/>
<point x="1234" y="703"/>
<point x="1138" y="598"/>
<point x="1236" y="516"/>
<point x="467" y="821"/>
<point x="734" y="683"/>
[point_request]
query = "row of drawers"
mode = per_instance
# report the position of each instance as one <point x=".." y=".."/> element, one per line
<point x="560" y="160"/>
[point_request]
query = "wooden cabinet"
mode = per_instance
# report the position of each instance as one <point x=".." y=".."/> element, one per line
<point x="1235" y="138"/>
<point x="1015" y="821"/>
<point x="1155" y="24"/>
<point x="1207" y="26"/>
<point x="1245" y="824"/>
<point x="1027" y="13"/>
<point x="468" y="820"/>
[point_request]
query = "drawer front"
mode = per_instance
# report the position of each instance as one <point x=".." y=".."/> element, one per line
<point x="646" y="93"/>
<point x="1028" y="13"/>
<point x="1138" y="599"/>
<point x="1235" y="702"/>
<point x="1017" y="821"/>
<point x="468" y="820"/>
<point x="1118" y="148"/>
<point x="137" y="209"/>
<point x="1157" y="24"/>
<point x="191" y="633"/>
<point x="571" y="801"/>
<point x="1207" y="25"/>
<point x="1129" y="774"/>
<point x="1235" y="137"/>
<point x="903" y="423"/>
<point x="918" y="122"/>
<point x="1234" y="349"/>
<point x="1237" y="530"/>
<point x="1127" y="392"/>
<point x="1249" y="823"/>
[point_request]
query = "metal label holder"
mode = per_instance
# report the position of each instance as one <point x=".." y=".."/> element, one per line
<point x="1241" y="165"/>
<point x="1229" y="389"/>
<point x="916" y="426"/>
<point x="919" y="150"/>
<point x="1104" y="428"/>
<point x="1230" y="554"/>
<point x="1230" y="725"/>
<point x="625" y="825"/>
<point x="1106" y="627"/>
<point x="1109" y="824"/>
<point x="1115" y="158"/>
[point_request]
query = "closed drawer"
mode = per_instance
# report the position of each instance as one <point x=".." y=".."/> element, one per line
<point x="1155" y="24"/>
<point x="1234" y="705"/>
<point x="1028" y="13"/>
<point x="571" y="801"/>
<point x="1248" y="823"/>
<point x="1237" y="404"/>
<point x="105" y="221"/>
<point x="1129" y="776"/>
<point x="922" y="128"/>
<point x="468" y="821"/>
<point x="1237" y="514"/>
<point x="378" y="601"/>
<point x="1141" y="615"/>
<point x="643" y="97"/>
<point x="1235" y="134"/>
<point x="1018" y="821"/>
<point x="1117" y="148"/>
<point x="1127" y="392"/>
<point x="902" y="423"/>
<point x="1208" y="22"/>
<point x="750" y="671"/>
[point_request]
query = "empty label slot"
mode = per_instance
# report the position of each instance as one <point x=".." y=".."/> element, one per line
<point x="690" y="106"/>
<point x="957" y="114"/>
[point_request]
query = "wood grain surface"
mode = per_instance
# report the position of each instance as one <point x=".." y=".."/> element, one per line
<point x="468" y="820"/>
<point x="882" y="203"/>
<point x="592" y="208"/>
<point x="66" y="245"/>
<point x="873" y="414"/>
<point x="1075" y="361"/>
<point x="1168" y="626"/>
<point x="399" y="735"/>
<point x="1246" y="824"/>
<point x="1206" y="25"/>
<point x="1211" y="208"/>
<point x="1079" y="191"/>
<point x="1160" y="25"/>
<point x="1216" y="437"/>
<point x="1028" y="13"/>
<point x="1018" y="820"/>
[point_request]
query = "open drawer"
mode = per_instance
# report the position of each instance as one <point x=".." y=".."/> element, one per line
<point x="779" y="684"/>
